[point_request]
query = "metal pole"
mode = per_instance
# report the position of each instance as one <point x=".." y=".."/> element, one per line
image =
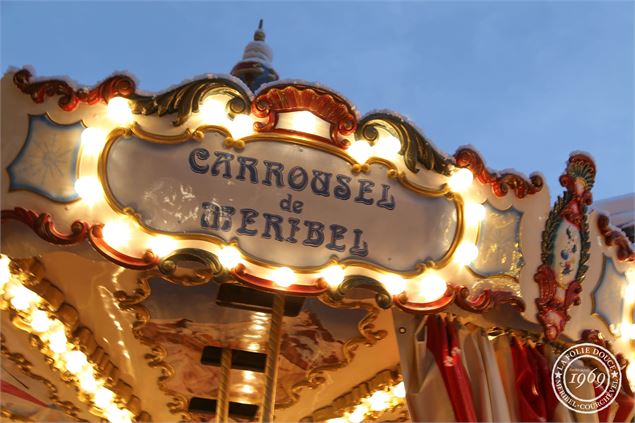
<point x="273" y="353"/>
<point x="222" y="401"/>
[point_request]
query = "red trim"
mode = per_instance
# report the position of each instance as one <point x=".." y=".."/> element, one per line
<point x="96" y="239"/>
<point x="117" y="85"/>
<point x="501" y="182"/>
<point x="42" y="224"/>
<point x="426" y="308"/>
<point x="326" y="105"/>
<point x="239" y="272"/>
<point x="11" y="389"/>
<point x="486" y="299"/>
<point x="615" y="237"/>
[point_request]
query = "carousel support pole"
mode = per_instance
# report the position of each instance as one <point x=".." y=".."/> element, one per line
<point x="273" y="354"/>
<point x="222" y="402"/>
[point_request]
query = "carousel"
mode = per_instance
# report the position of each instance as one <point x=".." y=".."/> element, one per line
<point x="244" y="248"/>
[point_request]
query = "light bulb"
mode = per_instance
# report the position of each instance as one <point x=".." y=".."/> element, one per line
<point x="393" y="284"/>
<point x="117" y="233"/>
<point x="75" y="361"/>
<point x="628" y="331"/>
<point x="5" y="271"/>
<point x="474" y="213"/>
<point x="466" y="253"/>
<point x="283" y="276"/>
<point x="40" y="321"/>
<point x="460" y="180"/>
<point x="89" y="189"/>
<point x="357" y="416"/>
<point x="360" y="151"/>
<point x="115" y="414"/>
<point x="253" y="347"/>
<point x="248" y="375"/>
<point x="247" y="389"/>
<point x="387" y="147"/>
<point x="333" y="275"/>
<point x="400" y="390"/>
<point x="213" y="110"/>
<point x="119" y="111"/>
<point x="22" y="298"/>
<point x="629" y="293"/>
<point x="161" y="245"/>
<point x="229" y="257"/>
<point x="57" y="342"/>
<point x="379" y="401"/>
<point x="431" y="287"/>
<point x="103" y="397"/>
<point x="93" y="141"/>
<point x="87" y="381"/>
<point x="241" y="126"/>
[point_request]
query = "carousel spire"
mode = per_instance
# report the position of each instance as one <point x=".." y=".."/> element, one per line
<point x="256" y="68"/>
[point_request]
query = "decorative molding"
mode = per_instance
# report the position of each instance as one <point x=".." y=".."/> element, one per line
<point x="30" y="272"/>
<point x="42" y="224"/>
<point x="501" y="183"/>
<point x="116" y="85"/>
<point x="95" y="237"/>
<point x="289" y="97"/>
<point x="415" y="147"/>
<point x="25" y="367"/>
<point x="556" y="298"/>
<point x="616" y="238"/>
<point x="486" y="300"/>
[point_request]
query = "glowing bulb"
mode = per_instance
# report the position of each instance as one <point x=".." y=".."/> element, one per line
<point x="5" y="271"/>
<point x="337" y="420"/>
<point x="57" y="342"/>
<point x="360" y="151"/>
<point x="357" y="416"/>
<point x="89" y="189"/>
<point x="87" y="381"/>
<point x="213" y="110"/>
<point x="333" y="275"/>
<point x="117" y="233"/>
<point x="305" y="121"/>
<point x="630" y="371"/>
<point x="75" y="361"/>
<point x="379" y="401"/>
<point x="119" y="111"/>
<point x="387" y="147"/>
<point x="22" y="298"/>
<point x="474" y="212"/>
<point x="630" y="274"/>
<point x="466" y="253"/>
<point x="229" y="257"/>
<point x="628" y="331"/>
<point x="253" y="347"/>
<point x="162" y="245"/>
<point x="460" y="180"/>
<point x="400" y="390"/>
<point x="247" y="389"/>
<point x="431" y="287"/>
<point x="629" y="293"/>
<point x="249" y="375"/>
<point x="283" y="277"/>
<point x="40" y="321"/>
<point x="393" y="284"/>
<point x="241" y="126"/>
<point x="103" y="397"/>
<point x="258" y="326"/>
<point x="93" y="140"/>
<point x="115" y="414"/>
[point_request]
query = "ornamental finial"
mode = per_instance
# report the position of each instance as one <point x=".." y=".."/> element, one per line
<point x="256" y="69"/>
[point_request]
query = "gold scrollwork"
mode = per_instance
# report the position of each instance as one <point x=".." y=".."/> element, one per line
<point x="25" y="366"/>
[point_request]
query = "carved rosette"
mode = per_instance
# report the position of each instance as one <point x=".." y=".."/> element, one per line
<point x="501" y="183"/>
<point x="565" y="247"/>
<point x="294" y="98"/>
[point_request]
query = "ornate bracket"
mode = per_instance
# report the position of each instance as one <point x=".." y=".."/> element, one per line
<point x="42" y="224"/>
<point x="616" y="238"/>
<point x="415" y="147"/>
<point x="565" y="247"/>
<point x="501" y="182"/>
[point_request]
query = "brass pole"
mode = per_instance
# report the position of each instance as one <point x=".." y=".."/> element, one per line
<point x="273" y="353"/>
<point x="222" y="400"/>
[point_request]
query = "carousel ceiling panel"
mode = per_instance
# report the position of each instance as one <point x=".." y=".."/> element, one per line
<point x="609" y="296"/>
